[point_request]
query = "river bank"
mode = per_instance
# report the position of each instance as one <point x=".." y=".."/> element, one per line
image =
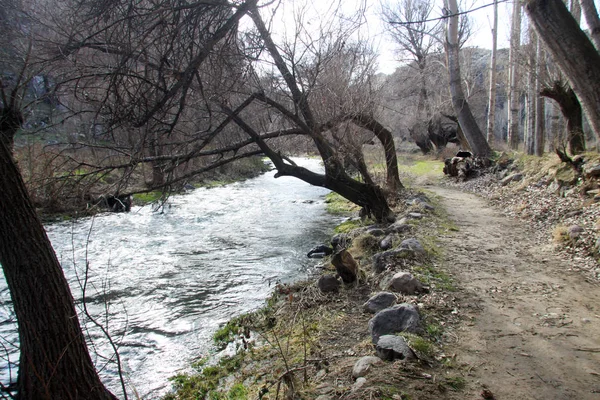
<point x="499" y="303"/>
<point x="305" y="343"/>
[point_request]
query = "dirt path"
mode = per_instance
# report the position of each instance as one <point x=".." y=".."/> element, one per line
<point x="532" y="327"/>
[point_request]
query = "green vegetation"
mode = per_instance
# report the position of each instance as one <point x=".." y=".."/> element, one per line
<point x="338" y="205"/>
<point x="206" y="383"/>
<point x="456" y="383"/>
<point x="146" y="198"/>
<point x="347" y="226"/>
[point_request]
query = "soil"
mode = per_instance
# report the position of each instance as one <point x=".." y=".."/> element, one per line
<point x="530" y="323"/>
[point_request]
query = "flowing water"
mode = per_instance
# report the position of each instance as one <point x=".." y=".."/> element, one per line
<point x="168" y="279"/>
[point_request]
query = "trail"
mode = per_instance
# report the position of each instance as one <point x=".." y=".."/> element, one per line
<point x="532" y="327"/>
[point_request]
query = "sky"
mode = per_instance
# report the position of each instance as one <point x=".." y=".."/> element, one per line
<point x="318" y="13"/>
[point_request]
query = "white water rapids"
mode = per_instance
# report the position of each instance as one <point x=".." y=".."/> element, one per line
<point x="163" y="282"/>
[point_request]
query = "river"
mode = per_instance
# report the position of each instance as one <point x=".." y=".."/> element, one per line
<point x="168" y="279"/>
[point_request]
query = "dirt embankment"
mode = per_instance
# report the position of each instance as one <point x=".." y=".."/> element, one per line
<point x="531" y="324"/>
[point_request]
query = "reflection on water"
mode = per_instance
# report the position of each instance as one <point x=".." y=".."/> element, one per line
<point x="170" y="278"/>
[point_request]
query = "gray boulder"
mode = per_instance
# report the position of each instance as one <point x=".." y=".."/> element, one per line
<point x="414" y="215"/>
<point x="375" y="231"/>
<point x="399" y="227"/>
<point x="511" y="178"/>
<point x="400" y="318"/>
<point x="405" y="283"/>
<point x="392" y="347"/>
<point x="575" y="231"/>
<point x="412" y="245"/>
<point x="379" y="302"/>
<point x="387" y="242"/>
<point x="363" y="365"/>
<point x="382" y="260"/>
<point x="328" y="284"/>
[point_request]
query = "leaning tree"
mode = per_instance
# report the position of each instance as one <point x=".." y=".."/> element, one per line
<point x="175" y="90"/>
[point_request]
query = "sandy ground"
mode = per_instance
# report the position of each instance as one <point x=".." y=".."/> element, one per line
<point x="532" y="328"/>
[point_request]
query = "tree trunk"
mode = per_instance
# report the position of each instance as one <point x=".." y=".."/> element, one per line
<point x="571" y="110"/>
<point x="491" y="115"/>
<point x="593" y="21"/>
<point x="532" y="96"/>
<point x="467" y="122"/>
<point x="54" y="360"/>
<point x="514" y="93"/>
<point x="540" y="104"/>
<point x="387" y="141"/>
<point x="572" y="51"/>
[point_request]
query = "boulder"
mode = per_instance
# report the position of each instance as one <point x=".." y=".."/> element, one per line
<point x="363" y="365"/>
<point x="340" y="241"/>
<point x="412" y="245"/>
<point x="574" y="231"/>
<point x="511" y="178"/>
<point x="345" y="265"/>
<point x="592" y="171"/>
<point x="403" y="282"/>
<point x="328" y="283"/>
<point x="320" y="251"/>
<point x="399" y="226"/>
<point x="414" y="215"/>
<point x="375" y="231"/>
<point x="392" y="347"/>
<point x="387" y="242"/>
<point x="360" y="382"/>
<point x="379" y="302"/>
<point x="400" y="318"/>
<point x="382" y="260"/>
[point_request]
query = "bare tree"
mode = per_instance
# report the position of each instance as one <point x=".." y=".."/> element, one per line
<point x="514" y="94"/>
<point x="572" y="51"/>
<point x="467" y="122"/>
<point x="491" y="115"/>
<point x="593" y="21"/>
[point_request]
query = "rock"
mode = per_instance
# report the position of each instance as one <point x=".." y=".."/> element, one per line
<point x="392" y="347"/>
<point x="345" y="265"/>
<point x="323" y="397"/>
<point x="360" y="382"/>
<point x="340" y="241"/>
<point x="400" y="318"/>
<point x="412" y="245"/>
<point x="399" y="227"/>
<point x="379" y="302"/>
<point x="328" y="284"/>
<point x="565" y="175"/>
<point x="414" y="215"/>
<point x="592" y="172"/>
<point x="363" y="365"/>
<point x="375" y="231"/>
<point x="511" y="178"/>
<point x="575" y="231"/>
<point x="387" y="242"/>
<point x="320" y="251"/>
<point x="405" y="283"/>
<point x="382" y="260"/>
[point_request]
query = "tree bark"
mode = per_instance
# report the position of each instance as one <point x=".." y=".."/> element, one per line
<point x="540" y="105"/>
<point x="532" y="96"/>
<point x="593" y="21"/>
<point x="491" y="115"/>
<point x="573" y="52"/>
<point x="54" y="359"/>
<point x="514" y="93"/>
<point x="571" y="110"/>
<point x="467" y="122"/>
